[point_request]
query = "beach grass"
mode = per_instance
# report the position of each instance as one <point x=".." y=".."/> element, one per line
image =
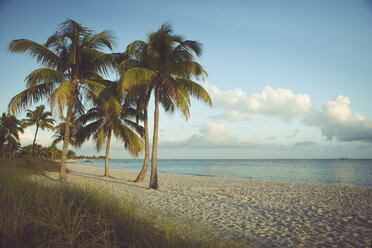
<point x="31" y="165"/>
<point x="39" y="214"/>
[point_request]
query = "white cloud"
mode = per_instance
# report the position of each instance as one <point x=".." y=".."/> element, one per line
<point x="236" y="116"/>
<point x="27" y="137"/>
<point x="335" y="119"/>
<point x="282" y="103"/>
<point x="212" y="135"/>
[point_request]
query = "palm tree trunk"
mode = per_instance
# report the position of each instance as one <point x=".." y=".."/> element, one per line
<point x="107" y="154"/>
<point x="33" y="143"/>
<point x="142" y="174"/>
<point x="154" y="174"/>
<point x="62" y="174"/>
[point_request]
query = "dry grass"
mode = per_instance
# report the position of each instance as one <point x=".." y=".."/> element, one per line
<point x="33" y="214"/>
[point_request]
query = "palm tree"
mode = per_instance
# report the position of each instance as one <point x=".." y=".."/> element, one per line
<point x="53" y="151"/>
<point x="166" y="62"/>
<point x="112" y="114"/>
<point x="142" y="106"/>
<point x="39" y="118"/>
<point x="72" y="57"/>
<point x="75" y="126"/>
<point x="10" y="127"/>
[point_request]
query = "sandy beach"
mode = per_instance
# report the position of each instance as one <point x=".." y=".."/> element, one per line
<point x="277" y="213"/>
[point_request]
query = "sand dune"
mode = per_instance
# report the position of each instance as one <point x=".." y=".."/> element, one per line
<point x="283" y="214"/>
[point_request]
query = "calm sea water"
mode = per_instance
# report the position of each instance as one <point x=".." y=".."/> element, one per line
<point x="330" y="171"/>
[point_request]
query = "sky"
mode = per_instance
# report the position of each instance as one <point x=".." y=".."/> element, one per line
<point x="288" y="79"/>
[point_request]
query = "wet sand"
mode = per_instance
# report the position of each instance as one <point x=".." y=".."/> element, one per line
<point x="280" y="213"/>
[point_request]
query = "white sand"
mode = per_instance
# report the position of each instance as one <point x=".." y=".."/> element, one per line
<point x="284" y="214"/>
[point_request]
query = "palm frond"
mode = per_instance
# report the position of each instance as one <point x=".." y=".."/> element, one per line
<point x="132" y="142"/>
<point x="44" y="75"/>
<point x="28" y="97"/>
<point x="134" y="125"/>
<point x="62" y="95"/>
<point x="183" y="103"/>
<point x="136" y="49"/>
<point x="135" y="76"/>
<point x="190" y="46"/>
<point x="42" y="54"/>
<point x="194" y="89"/>
<point x="99" y="138"/>
<point x="100" y="40"/>
<point x="127" y="64"/>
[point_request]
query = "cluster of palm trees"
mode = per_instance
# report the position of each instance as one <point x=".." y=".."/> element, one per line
<point x="73" y="77"/>
<point x="10" y="127"/>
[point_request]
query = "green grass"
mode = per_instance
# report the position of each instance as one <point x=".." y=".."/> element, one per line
<point x="31" y="165"/>
<point x="35" y="214"/>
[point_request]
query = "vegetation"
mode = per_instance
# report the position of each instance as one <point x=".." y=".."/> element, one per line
<point x="75" y="126"/>
<point x="112" y="114"/>
<point x="73" y="60"/>
<point x="29" y="165"/>
<point x="166" y="64"/>
<point x="10" y="127"/>
<point x="34" y="214"/>
<point x="40" y="119"/>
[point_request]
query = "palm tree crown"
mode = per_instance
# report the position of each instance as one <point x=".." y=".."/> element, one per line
<point x="40" y="119"/>
<point x="112" y="114"/>
<point x="75" y="125"/>
<point x="10" y="127"/>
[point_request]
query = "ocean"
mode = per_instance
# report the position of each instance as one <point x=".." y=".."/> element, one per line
<point x="329" y="171"/>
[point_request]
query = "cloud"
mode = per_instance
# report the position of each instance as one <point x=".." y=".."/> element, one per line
<point x="282" y="103"/>
<point x="236" y="116"/>
<point x="27" y="137"/>
<point x="212" y="135"/>
<point x="335" y="119"/>
<point x="304" y="143"/>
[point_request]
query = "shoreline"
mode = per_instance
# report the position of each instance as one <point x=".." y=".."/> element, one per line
<point x="211" y="176"/>
<point x="285" y="214"/>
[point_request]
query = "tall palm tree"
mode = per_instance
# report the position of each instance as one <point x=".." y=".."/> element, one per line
<point x="112" y="114"/>
<point x="39" y="118"/>
<point x="165" y="62"/>
<point x="72" y="57"/>
<point x="10" y="127"/>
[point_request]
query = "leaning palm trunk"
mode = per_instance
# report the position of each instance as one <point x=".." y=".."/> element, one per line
<point x="142" y="174"/>
<point x="107" y="154"/>
<point x="154" y="174"/>
<point x="62" y="174"/>
<point x="33" y="143"/>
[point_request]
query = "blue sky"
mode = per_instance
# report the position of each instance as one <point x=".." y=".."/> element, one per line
<point x="289" y="79"/>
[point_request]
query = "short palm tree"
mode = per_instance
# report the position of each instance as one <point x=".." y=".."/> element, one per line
<point x="166" y="63"/>
<point x="10" y="127"/>
<point x="112" y="114"/>
<point x="75" y="126"/>
<point x="72" y="57"/>
<point x="53" y="151"/>
<point x="40" y="119"/>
